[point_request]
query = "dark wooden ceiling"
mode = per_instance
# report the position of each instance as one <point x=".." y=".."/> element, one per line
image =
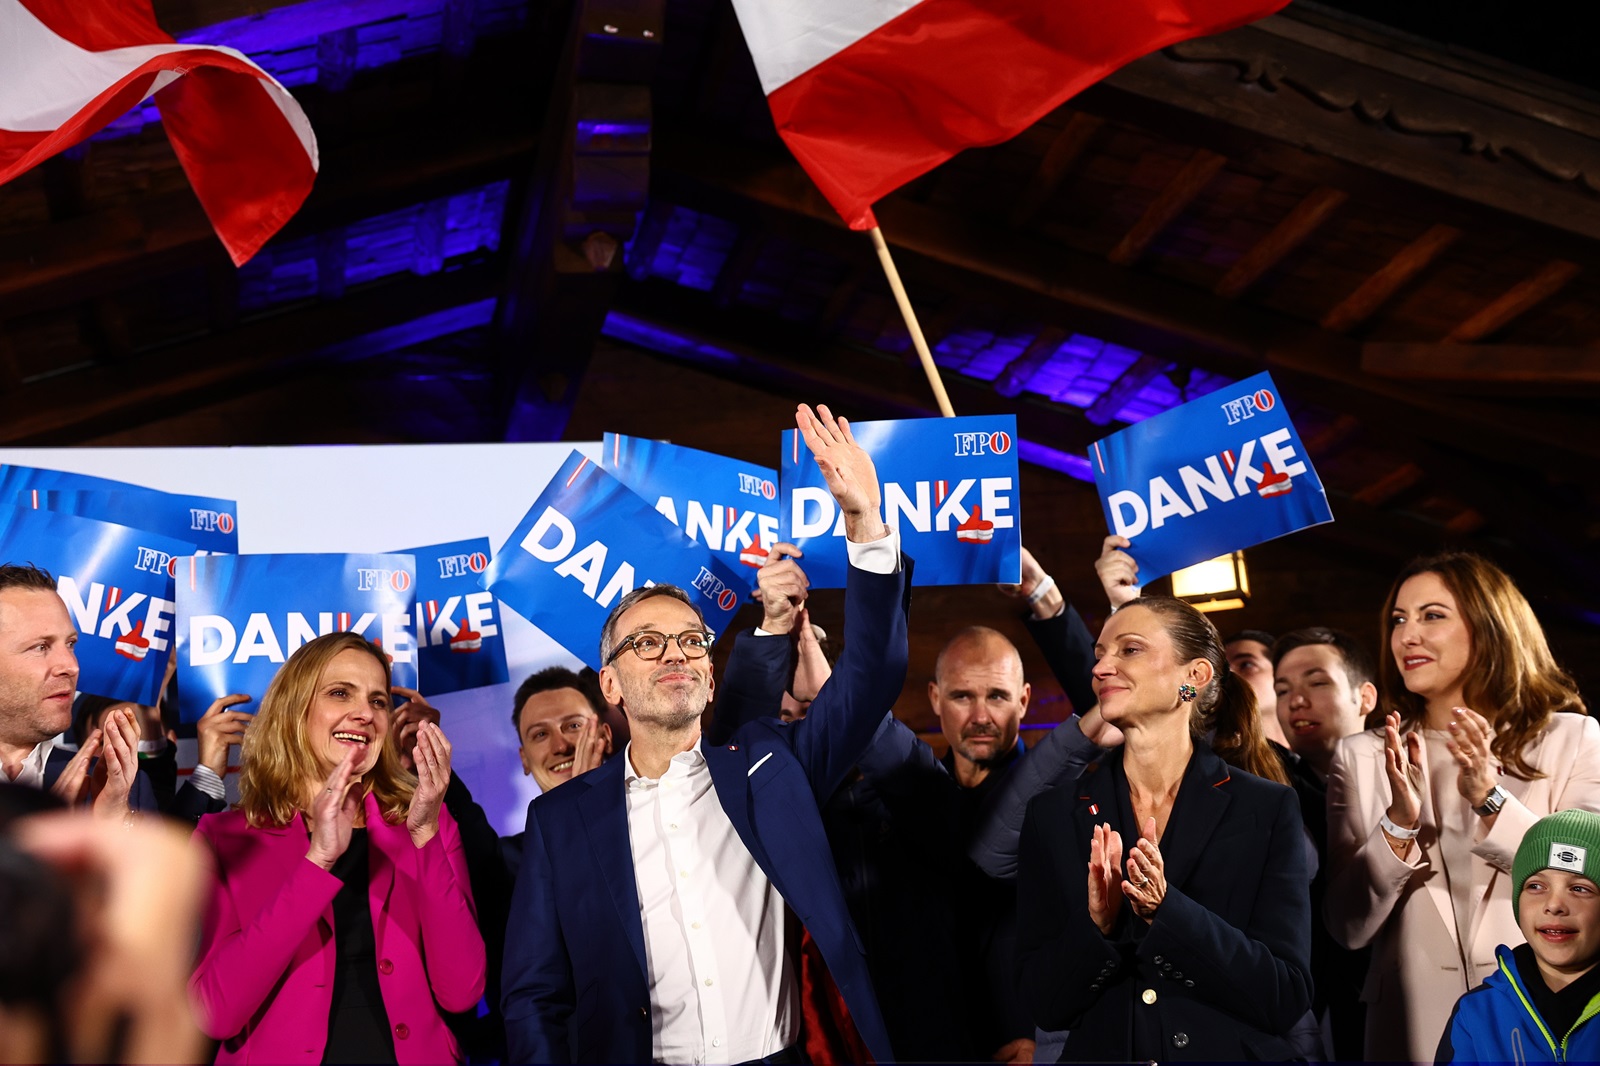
<point x="1407" y="237"/>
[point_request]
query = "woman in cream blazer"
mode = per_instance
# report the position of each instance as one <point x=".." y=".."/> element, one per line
<point x="1425" y="813"/>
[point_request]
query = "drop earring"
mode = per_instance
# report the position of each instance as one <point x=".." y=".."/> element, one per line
<point x="1187" y="692"/>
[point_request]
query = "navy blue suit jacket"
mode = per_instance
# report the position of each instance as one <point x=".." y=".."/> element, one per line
<point x="575" y="983"/>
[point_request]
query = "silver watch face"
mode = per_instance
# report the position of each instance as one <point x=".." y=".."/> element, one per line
<point x="1494" y="801"/>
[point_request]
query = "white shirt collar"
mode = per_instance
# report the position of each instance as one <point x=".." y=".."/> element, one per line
<point x="32" y="772"/>
<point x="683" y="764"/>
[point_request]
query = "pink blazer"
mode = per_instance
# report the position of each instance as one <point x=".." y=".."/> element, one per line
<point x="264" y="983"/>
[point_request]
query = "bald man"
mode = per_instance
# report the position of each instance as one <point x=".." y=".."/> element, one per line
<point x="980" y="697"/>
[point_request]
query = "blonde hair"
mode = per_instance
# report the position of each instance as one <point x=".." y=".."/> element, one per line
<point x="1511" y="678"/>
<point x="276" y="760"/>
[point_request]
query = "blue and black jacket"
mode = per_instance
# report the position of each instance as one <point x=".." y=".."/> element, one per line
<point x="1497" y="1022"/>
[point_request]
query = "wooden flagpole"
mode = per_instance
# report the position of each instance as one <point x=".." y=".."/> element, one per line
<point x="918" y="341"/>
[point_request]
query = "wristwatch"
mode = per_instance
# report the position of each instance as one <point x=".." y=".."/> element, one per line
<point x="1493" y="802"/>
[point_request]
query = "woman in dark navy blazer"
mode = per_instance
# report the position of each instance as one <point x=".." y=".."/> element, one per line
<point x="1163" y="897"/>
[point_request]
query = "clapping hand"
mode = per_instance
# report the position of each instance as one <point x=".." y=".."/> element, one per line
<point x="333" y="813"/>
<point x="1407" y="768"/>
<point x="119" y="748"/>
<point x="1105" y="873"/>
<point x="1471" y="737"/>
<point x="432" y="756"/>
<point x="1146" y="885"/>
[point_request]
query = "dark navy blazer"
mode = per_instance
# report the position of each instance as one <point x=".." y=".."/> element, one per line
<point x="575" y="982"/>
<point x="1222" y="973"/>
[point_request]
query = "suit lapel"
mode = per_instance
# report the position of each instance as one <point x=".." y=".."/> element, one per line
<point x="1435" y="883"/>
<point x="1096" y="801"/>
<point x="382" y="856"/>
<point x="730" y="767"/>
<point x="1201" y="802"/>
<point x="605" y="820"/>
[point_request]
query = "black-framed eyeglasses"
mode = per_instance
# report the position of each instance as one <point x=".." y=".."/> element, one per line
<point x="650" y="645"/>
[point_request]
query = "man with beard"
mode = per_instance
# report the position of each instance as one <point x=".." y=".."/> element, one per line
<point x="38" y="678"/>
<point x="651" y="920"/>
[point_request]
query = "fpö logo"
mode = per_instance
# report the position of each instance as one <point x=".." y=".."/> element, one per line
<point x="751" y="485"/>
<point x="375" y="580"/>
<point x="1248" y="406"/>
<point x="710" y="586"/>
<point x="154" y="562"/>
<point x="462" y="565"/>
<point x="210" y="521"/>
<point x="997" y="443"/>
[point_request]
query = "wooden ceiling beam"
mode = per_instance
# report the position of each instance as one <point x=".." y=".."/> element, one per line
<point x="61" y="263"/>
<point x="1188" y="183"/>
<point x="1143" y="371"/>
<point x="1053" y="169"/>
<point x="1300" y="223"/>
<point x="1401" y="479"/>
<point x="1516" y="301"/>
<point x="1223" y="335"/>
<point x="181" y="16"/>
<point x="874" y="382"/>
<point x="1380" y="287"/>
<point x="1012" y="380"/>
<point x="1495" y="365"/>
<point x="59" y="410"/>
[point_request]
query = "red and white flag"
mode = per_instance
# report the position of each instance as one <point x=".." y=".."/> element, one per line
<point x="70" y="67"/>
<point x="869" y="94"/>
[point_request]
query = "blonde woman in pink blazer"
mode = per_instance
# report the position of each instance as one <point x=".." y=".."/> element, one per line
<point x="341" y="922"/>
<point x="1484" y="734"/>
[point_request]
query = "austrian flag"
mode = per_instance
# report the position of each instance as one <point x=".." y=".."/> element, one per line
<point x="69" y="67"/>
<point x="869" y="94"/>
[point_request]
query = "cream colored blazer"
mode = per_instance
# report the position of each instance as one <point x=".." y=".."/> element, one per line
<point x="1403" y="908"/>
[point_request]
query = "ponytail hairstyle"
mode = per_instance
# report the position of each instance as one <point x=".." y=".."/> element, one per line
<point x="1511" y="677"/>
<point x="1226" y="706"/>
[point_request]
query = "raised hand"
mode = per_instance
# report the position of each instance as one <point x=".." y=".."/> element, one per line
<point x="811" y="670"/>
<point x="432" y="756"/>
<point x="333" y="813"/>
<point x="1406" y="765"/>
<point x="220" y="729"/>
<point x="782" y="586"/>
<point x="848" y="470"/>
<point x="407" y="719"/>
<point x="1146" y="885"/>
<point x="73" y="784"/>
<point x="1105" y="872"/>
<point x="1118" y="573"/>
<point x="1478" y="771"/>
<point x="119" y="745"/>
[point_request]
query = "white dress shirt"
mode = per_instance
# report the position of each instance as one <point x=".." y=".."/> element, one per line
<point x="32" y="772"/>
<point x="722" y="986"/>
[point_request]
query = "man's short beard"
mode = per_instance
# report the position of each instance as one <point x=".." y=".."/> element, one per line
<point x="672" y="720"/>
<point x="673" y="714"/>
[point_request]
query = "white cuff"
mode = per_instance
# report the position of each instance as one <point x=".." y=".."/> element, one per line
<point x="207" y="781"/>
<point x="881" y="556"/>
<point x="150" y="747"/>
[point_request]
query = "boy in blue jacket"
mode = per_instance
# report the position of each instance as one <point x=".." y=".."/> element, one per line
<point x="1539" y="1006"/>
